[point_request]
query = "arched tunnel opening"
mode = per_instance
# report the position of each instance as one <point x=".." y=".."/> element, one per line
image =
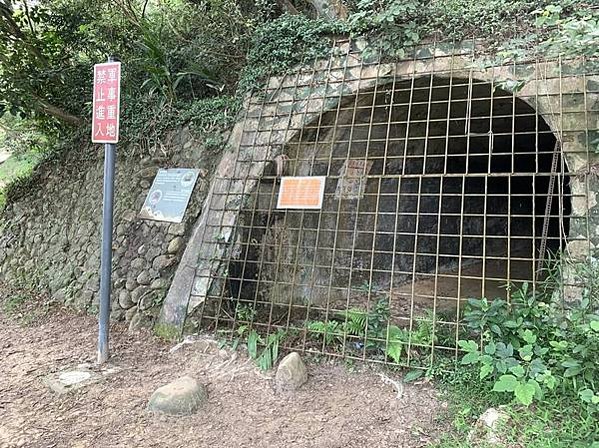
<point x="436" y="191"/>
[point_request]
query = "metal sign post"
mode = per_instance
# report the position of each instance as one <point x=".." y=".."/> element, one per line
<point x="105" y="129"/>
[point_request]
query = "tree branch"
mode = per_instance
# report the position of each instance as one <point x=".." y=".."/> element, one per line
<point x="10" y="27"/>
<point x="43" y="106"/>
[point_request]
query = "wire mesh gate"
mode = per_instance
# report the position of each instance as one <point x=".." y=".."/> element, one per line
<point x="440" y="186"/>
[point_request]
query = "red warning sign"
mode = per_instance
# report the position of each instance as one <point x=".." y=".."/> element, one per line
<point x="107" y="94"/>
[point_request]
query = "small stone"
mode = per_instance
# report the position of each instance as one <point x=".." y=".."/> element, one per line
<point x="131" y="284"/>
<point x="131" y="312"/>
<point x="144" y="278"/>
<point x="176" y="229"/>
<point x="488" y="427"/>
<point x="291" y="373"/>
<point x="129" y="216"/>
<point x="175" y="245"/>
<point x="84" y="299"/>
<point x="136" y="322"/>
<point x="138" y="293"/>
<point x="138" y="263"/>
<point x="147" y="301"/>
<point x="125" y="301"/>
<point x="162" y="262"/>
<point x="60" y="295"/>
<point x="70" y="380"/>
<point x="148" y="173"/>
<point x="152" y="252"/>
<point x="159" y="283"/>
<point x="117" y="314"/>
<point x="184" y="396"/>
<point x="93" y="284"/>
<point x="121" y="229"/>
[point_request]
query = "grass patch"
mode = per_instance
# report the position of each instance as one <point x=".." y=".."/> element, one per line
<point x="167" y="332"/>
<point x="25" y="306"/>
<point x="17" y="166"/>
<point x="555" y="422"/>
<point x="12" y="304"/>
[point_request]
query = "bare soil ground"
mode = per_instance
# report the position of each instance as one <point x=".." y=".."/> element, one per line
<point x="336" y="408"/>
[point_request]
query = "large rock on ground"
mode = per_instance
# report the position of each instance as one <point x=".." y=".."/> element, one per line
<point x="291" y="373"/>
<point x="184" y="396"/>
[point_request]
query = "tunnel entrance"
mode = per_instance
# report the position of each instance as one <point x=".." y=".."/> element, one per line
<point x="437" y="190"/>
<point x="445" y="178"/>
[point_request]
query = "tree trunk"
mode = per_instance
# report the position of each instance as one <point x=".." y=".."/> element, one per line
<point x="288" y="7"/>
<point x="331" y="9"/>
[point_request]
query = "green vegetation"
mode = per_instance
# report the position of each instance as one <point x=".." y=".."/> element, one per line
<point x="264" y="350"/>
<point x="536" y="359"/>
<point x="530" y="349"/>
<point x="167" y="332"/>
<point x="554" y="422"/>
<point x="268" y="354"/>
<point x="15" y="301"/>
<point x="358" y="331"/>
<point x="15" y="168"/>
<point x="23" y="303"/>
<point x="189" y="61"/>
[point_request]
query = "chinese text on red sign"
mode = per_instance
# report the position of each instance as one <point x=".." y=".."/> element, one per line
<point x="105" y="118"/>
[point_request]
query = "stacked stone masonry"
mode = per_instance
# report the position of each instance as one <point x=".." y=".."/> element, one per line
<point x="51" y="235"/>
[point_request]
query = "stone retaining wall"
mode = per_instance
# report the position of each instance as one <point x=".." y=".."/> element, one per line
<point x="51" y="235"/>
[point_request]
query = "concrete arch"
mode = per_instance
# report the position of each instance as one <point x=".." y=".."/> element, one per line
<point x="562" y="94"/>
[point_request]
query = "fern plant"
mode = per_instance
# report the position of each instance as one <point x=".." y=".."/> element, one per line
<point x="329" y="331"/>
<point x="369" y="330"/>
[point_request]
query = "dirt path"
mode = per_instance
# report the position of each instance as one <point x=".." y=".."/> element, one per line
<point x="335" y="408"/>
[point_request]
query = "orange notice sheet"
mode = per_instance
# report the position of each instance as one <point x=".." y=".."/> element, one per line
<point x="301" y="192"/>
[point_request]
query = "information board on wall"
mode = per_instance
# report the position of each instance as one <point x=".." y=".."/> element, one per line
<point x="169" y="195"/>
<point x="305" y="192"/>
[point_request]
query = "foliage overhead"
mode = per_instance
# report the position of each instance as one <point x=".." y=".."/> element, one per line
<point x="191" y="61"/>
<point x="192" y="49"/>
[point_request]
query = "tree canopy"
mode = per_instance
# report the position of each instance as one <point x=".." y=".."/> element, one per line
<point x="199" y="55"/>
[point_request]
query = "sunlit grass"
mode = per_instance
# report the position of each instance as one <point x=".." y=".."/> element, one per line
<point x="16" y="166"/>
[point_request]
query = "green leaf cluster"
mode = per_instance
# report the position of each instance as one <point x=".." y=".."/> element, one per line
<point x="264" y="350"/>
<point x="372" y="331"/>
<point x="529" y="347"/>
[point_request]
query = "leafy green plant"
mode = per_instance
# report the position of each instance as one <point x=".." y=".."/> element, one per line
<point x="264" y="351"/>
<point x="576" y="35"/>
<point x="329" y="331"/>
<point x="529" y="347"/>
<point x="162" y="73"/>
<point x="391" y="25"/>
<point x="285" y="42"/>
<point x="372" y="331"/>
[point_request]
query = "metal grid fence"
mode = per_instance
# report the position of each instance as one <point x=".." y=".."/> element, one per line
<point x="441" y="186"/>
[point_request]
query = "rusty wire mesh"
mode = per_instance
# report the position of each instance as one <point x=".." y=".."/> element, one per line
<point x="440" y="186"/>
